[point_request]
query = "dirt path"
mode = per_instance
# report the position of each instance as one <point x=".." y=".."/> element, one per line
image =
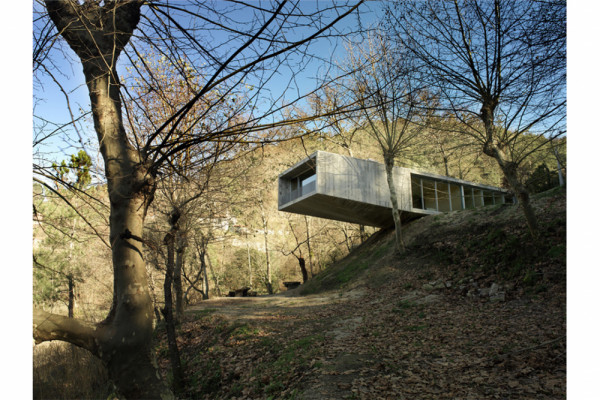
<point x="256" y="309"/>
<point x="340" y="317"/>
<point x="327" y="314"/>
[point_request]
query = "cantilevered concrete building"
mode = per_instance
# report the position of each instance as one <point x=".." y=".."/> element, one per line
<point x="349" y="189"/>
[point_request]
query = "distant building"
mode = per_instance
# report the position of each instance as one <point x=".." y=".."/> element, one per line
<point x="348" y="189"/>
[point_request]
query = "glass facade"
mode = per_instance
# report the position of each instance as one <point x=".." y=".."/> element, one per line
<point x="443" y="196"/>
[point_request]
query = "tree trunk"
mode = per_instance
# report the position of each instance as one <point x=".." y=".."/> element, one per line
<point x="212" y="272"/>
<point x="446" y="166"/>
<point x="310" y="261"/>
<point x="269" y="283"/>
<point x="561" y="180"/>
<point x="249" y="262"/>
<point x="71" y="295"/>
<point x="97" y="34"/>
<point x="169" y="319"/>
<point x="205" y="286"/>
<point x="509" y="169"/>
<point x="177" y="285"/>
<point x="302" y="264"/>
<point x="153" y="295"/>
<point x="389" y="171"/>
<point x="203" y="275"/>
<point x="510" y="173"/>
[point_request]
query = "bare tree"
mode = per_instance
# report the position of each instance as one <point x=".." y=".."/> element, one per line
<point x="383" y="86"/>
<point x="245" y="53"/>
<point x="498" y="66"/>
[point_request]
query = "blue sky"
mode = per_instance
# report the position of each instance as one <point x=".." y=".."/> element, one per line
<point x="53" y="105"/>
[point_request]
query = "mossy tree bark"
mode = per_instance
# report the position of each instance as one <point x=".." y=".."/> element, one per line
<point x="97" y="34"/>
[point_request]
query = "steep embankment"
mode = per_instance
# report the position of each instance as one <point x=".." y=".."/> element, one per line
<point x="473" y="309"/>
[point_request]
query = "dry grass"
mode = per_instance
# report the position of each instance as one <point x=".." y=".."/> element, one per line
<point x="64" y="371"/>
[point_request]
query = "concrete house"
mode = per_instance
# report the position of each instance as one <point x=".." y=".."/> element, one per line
<point x="348" y="189"/>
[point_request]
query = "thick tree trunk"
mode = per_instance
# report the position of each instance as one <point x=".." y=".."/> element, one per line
<point x="302" y="264"/>
<point x="97" y="32"/>
<point x="169" y="318"/>
<point x="510" y="173"/>
<point x="389" y="171"/>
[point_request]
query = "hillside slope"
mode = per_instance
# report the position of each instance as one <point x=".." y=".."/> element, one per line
<point x="473" y="309"/>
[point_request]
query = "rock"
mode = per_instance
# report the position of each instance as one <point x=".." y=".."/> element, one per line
<point x="500" y="296"/>
<point x="427" y="286"/>
<point x="439" y="285"/>
<point x="448" y="284"/>
<point x="483" y="292"/>
<point x="494" y="289"/>
<point x="471" y="293"/>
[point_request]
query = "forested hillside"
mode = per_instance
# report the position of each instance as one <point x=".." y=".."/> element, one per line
<point x="226" y="228"/>
<point x="471" y="309"/>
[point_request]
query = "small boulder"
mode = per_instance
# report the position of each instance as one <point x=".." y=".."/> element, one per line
<point x="494" y="289"/>
<point x="439" y="285"/>
<point x="498" y="297"/>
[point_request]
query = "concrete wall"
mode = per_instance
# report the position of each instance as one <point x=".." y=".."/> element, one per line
<point x="364" y="181"/>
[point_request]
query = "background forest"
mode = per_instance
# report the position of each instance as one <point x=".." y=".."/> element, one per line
<point x="230" y="229"/>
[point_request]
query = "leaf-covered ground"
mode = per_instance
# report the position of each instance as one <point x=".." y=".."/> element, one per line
<point x="473" y="310"/>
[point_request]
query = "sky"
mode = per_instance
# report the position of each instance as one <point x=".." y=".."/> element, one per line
<point x="584" y="142"/>
<point x="52" y="105"/>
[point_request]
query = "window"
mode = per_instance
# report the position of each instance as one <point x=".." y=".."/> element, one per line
<point x="488" y="198"/>
<point x="417" y="201"/>
<point x="303" y="184"/>
<point x="456" y="197"/>
<point x="309" y="184"/>
<point x="469" y="198"/>
<point x="429" y="195"/>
